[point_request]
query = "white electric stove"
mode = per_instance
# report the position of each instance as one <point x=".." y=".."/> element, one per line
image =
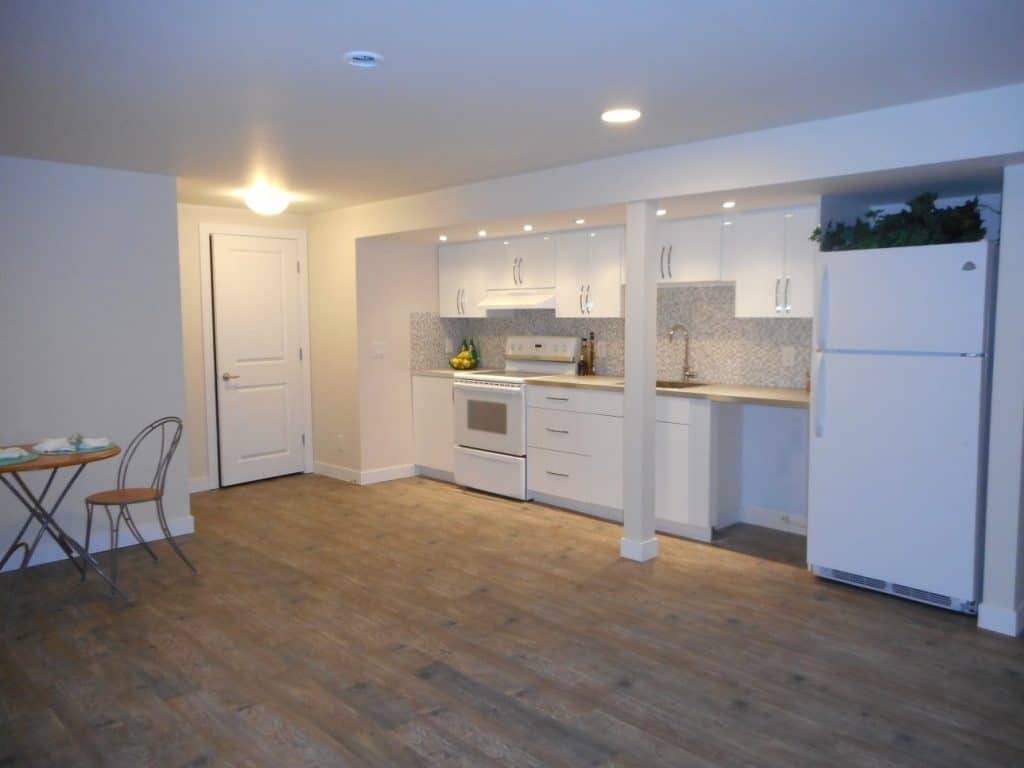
<point x="490" y="413"/>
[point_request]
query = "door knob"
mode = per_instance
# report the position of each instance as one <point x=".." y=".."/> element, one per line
<point x="229" y="376"/>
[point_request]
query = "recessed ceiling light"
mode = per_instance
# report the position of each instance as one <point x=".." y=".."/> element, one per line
<point x="482" y="233"/>
<point x="546" y="237"/>
<point x="789" y="215"/>
<point x="527" y="227"/>
<point x="729" y="204"/>
<point x="266" y="200"/>
<point x="581" y="221"/>
<point x="660" y="212"/>
<point x="621" y="115"/>
<point x="726" y="223"/>
<point x="593" y="234"/>
<point x="506" y="242"/>
<point x="443" y="238"/>
<point x="363" y="59"/>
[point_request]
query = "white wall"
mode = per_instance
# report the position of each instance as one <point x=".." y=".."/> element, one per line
<point x="1002" y="605"/>
<point x="393" y="280"/>
<point x="774" y="475"/>
<point x="190" y="218"/>
<point x="91" y="309"/>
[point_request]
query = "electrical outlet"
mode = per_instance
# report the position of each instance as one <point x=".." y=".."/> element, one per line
<point x="341" y="443"/>
<point x="449" y="346"/>
<point x="788" y="356"/>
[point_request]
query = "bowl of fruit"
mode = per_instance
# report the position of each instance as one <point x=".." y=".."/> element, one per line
<point x="467" y="359"/>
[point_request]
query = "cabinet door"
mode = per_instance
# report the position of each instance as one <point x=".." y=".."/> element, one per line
<point x="504" y="272"/>
<point x="479" y="263"/>
<point x="800" y="251"/>
<point x="450" y="285"/>
<point x="693" y="250"/>
<point x="570" y="273"/>
<point x="756" y="262"/>
<point x="534" y="262"/>
<point x="672" y="472"/>
<point x="433" y="420"/>
<point x="606" y="461"/>
<point x="603" y="279"/>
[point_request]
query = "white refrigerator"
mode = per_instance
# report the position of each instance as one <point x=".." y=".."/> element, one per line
<point x="898" y="422"/>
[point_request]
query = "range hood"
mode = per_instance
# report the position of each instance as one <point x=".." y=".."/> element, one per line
<point x="519" y="298"/>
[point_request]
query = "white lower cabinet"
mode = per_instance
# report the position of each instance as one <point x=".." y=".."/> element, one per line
<point x="672" y="474"/>
<point x="433" y="419"/>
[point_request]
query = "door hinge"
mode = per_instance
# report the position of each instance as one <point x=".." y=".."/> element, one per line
<point x="303" y="438"/>
<point x="300" y="353"/>
<point x="297" y="270"/>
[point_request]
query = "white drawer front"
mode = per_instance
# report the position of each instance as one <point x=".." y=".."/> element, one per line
<point x="558" y="474"/>
<point x="675" y="410"/>
<point x="558" y="430"/>
<point x="605" y="403"/>
<point x="559" y="398"/>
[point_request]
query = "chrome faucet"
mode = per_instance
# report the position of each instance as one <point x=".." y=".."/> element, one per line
<point x="687" y="373"/>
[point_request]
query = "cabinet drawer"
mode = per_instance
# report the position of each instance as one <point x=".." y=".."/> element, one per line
<point x="558" y="474"/>
<point x="605" y="403"/>
<point x="558" y="398"/>
<point x="672" y="409"/>
<point x="558" y="430"/>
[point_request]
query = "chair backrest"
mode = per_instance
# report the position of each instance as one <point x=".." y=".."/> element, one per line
<point x="168" y="429"/>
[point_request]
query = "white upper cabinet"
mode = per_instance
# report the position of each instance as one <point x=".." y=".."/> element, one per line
<point x="588" y="276"/>
<point x="464" y="271"/>
<point x="769" y="256"/>
<point x="525" y="262"/>
<point x="690" y="250"/>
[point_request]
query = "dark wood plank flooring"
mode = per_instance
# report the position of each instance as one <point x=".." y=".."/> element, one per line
<point x="414" y="623"/>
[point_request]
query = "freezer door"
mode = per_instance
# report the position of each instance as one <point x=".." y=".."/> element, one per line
<point x="894" y="469"/>
<point x="920" y="299"/>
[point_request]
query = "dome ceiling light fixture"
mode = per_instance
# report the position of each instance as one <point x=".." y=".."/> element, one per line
<point x="265" y="199"/>
<point x="621" y="115"/>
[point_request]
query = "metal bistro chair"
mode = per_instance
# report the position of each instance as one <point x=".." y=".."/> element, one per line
<point x="169" y="429"/>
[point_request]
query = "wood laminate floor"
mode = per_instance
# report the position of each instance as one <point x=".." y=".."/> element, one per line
<point x="413" y="623"/>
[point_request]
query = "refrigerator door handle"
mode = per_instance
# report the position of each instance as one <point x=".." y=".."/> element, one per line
<point x="819" y="387"/>
<point x="822" y="314"/>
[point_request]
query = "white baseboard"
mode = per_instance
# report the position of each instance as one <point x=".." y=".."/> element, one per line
<point x="382" y="475"/>
<point x="200" y="484"/>
<point x="1005" y="621"/>
<point x="778" y="519"/>
<point x="366" y="476"/>
<point x="585" y="508"/>
<point x="695" y="532"/>
<point x="48" y="551"/>
<point x="336" y="471"/>
<point x="640" y="551"/>
<point x="435" y="474"/>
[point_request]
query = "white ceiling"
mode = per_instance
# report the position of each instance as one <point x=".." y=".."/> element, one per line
<point x="219" y="92"/>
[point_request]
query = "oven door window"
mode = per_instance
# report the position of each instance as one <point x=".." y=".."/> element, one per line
<point x="487" y="416"/>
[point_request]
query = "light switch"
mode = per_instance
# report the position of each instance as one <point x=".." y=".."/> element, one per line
<point x="788" y="356"/>
<point x="377" y="349"/>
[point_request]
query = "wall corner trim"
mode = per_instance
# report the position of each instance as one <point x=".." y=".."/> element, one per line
<point x="1005" y="621"/>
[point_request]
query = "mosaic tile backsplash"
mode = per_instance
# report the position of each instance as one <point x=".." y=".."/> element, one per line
<point x="723" y="350"/>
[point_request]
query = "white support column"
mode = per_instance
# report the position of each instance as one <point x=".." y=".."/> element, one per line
<point x="638" y="541"/>
<point x="1002" y="605"/>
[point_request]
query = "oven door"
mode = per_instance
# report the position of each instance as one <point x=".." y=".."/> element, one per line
<point x="490" y="418"/>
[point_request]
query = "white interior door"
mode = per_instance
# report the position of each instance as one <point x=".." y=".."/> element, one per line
<point x="260" y="403"/>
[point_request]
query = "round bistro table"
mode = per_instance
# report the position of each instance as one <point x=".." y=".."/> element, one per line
<point x="10" y="476"/>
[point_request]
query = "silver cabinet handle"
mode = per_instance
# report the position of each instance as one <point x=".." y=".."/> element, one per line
<point x="785" y="295"/>
<point x="581" y="299"/>
<point x="557" y="474"/>
<point x="670" y="262"/>
<point x="229" y="376"/>
<point x="587" y="302"/>
<point x="520" y="270"/>
<point x="778" y="304"/>
<point x="515" y="280"/>
<point x="458" y="302"/>
<point x="663" y="262"/>
<point x="462" y="303"/>
<point x="557" y="431"/>
<point x="564" y="399"/>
